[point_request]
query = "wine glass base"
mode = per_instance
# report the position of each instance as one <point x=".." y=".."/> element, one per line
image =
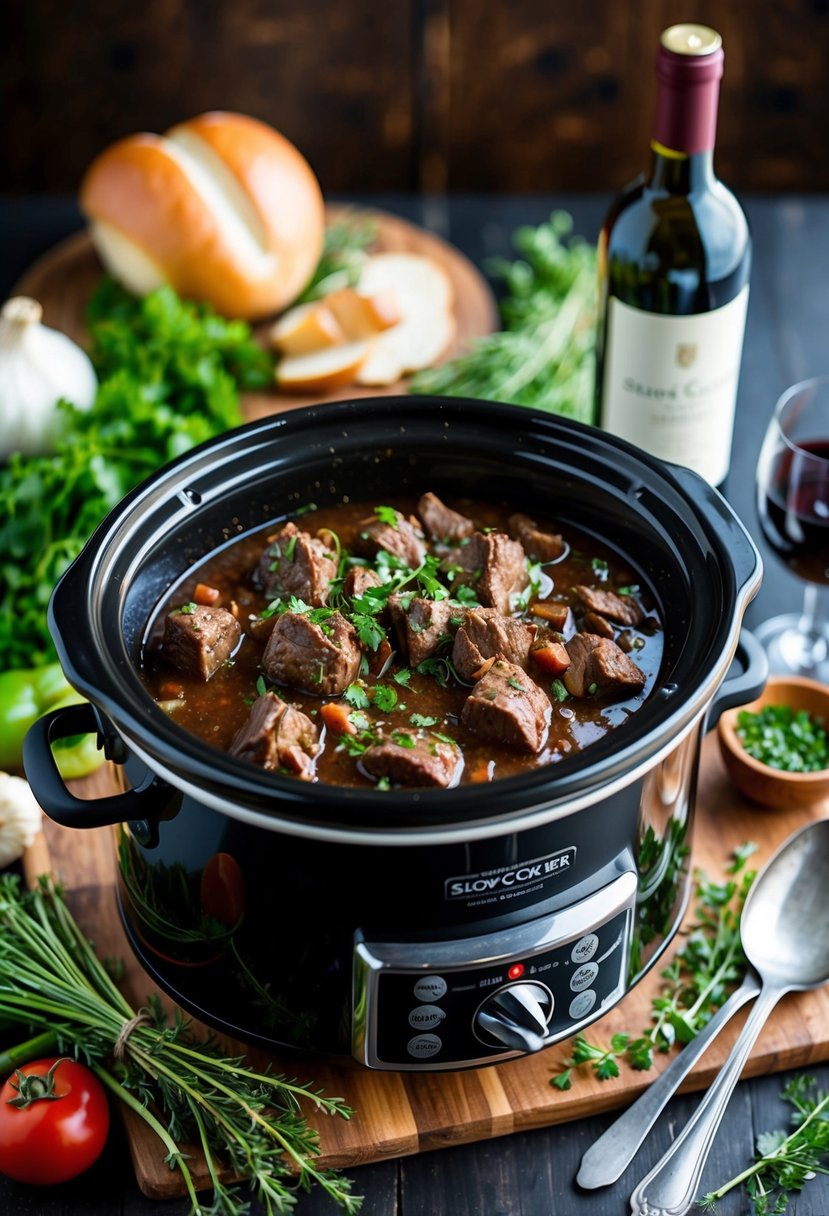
<point x="790" y="651"/>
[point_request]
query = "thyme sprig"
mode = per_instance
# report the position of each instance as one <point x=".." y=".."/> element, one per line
<point x="185" y="1088"/>
<point x="785" y="1163"/>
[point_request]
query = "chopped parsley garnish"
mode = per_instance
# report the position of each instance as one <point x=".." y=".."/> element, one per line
<point x="600" y="568"/>
<point x="402" y="677"/>
<point x="423" y="720"/>
<point x="513" y="683"/>
<point x="519" y="601"/>
<point x="784" y="738"/>
<point x="591" y="689"/>
<point x="261" y="686"/>
<point x="387" y="515"/>
<point x="633" y="589"/>
<point x="357" y="696"/>
<point x="384" y="697"/>
<point x="368" y="631"/>
<point x="383" y="783"/>
<point x="445" y="738"/>
<point x="402" y="739"/>
<point x="465" y="596"/>
<point x="439" y="668"/>
<point x="187" y="609"/>
<point x="559" y="691"/>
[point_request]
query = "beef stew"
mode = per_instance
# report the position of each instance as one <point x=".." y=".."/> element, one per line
<point x="416" y="644"/>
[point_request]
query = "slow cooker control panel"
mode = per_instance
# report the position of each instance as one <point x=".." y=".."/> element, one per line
<point x="457" y="1004"/>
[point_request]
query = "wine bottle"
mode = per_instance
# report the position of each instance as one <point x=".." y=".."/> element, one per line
<point x="674" y="264"/>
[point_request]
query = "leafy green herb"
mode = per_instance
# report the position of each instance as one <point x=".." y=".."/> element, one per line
<point x="698" y="980"/>
<point x="183" y="1087"/>
<point x="603" y="1061"/>
<point x="600" y="568"/>
<point x="633" y="589"/>
<point x="520" y="600"/>
<point x="784" y="738"/>
<point x="384" y="697"/>
<point x="261" y="686"/>
<point x="402" y="738"/>
<point x="368" y="631"/>
<point x="465" y="596"/>
<point x="545" y="355"/>
<point x="423" y="720"/>
<point x="357" y="696"/>
<point x="785" y="1162"/>
<point x="513" y="683"/>
<point x="170" y="373"/>
<point x="559" y="691"/>
<point x="440" y="669"/>
<point x="387" y="515"/>
<point x="187" y="609"/>
<point x="403" y="677"/>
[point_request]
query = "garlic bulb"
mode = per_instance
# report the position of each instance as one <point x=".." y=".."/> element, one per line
<point x="19" y="818"/>
<point x="38" y="366"/>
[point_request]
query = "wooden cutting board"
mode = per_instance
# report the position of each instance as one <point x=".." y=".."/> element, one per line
<point x="64" y="278"/>
<point x="399" y="1114"/>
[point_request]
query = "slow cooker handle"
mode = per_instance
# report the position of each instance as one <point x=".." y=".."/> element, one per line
<point x="146" y="802"/>
<point x="747" y="684"/>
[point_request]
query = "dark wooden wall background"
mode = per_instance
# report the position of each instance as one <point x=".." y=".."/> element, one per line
<point x="460" y="95"/>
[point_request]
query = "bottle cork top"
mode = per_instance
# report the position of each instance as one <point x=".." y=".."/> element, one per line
<point x="691" y="40"/>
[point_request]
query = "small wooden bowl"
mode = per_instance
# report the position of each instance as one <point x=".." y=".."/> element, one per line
<point x="770" y="786"/>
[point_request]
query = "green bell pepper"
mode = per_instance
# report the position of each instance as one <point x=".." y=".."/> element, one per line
<point x="24" y="697"/>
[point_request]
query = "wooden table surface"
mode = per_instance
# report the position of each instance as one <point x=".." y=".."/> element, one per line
<point x="531" y="1173"/>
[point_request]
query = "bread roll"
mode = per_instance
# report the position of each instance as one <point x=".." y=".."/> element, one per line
<point x="222" y="207"/>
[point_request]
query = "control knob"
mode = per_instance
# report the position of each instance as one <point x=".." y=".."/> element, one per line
<point x="515" y="1016"/>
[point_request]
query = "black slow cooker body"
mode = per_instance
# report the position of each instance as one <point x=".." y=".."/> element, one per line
<point x="405" y="928"/>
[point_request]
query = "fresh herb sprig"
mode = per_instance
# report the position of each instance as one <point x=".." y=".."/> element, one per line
<point x="545" y="355"/>
<point x="699" y="979"/>
<point x="784" y="1163"/>
<point x="184" y="1088"/>
<point x="347" y="239"/>
<point x="170" y="373"/>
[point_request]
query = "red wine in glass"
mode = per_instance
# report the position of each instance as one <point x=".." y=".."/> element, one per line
<point x="794" y="510"/>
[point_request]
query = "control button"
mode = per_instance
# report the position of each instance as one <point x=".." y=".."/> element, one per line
<point x="422" y="1046"/>
<point x="430" y="988"/>
<point x="426" y="1017"/>
<point x="584" y="977"/>
<point x="585" y="949"/>
<point x="581" y="1005"/>
<point x="516" y="1017"/>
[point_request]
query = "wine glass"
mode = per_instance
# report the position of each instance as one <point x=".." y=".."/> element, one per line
<point x="793" y="506"/>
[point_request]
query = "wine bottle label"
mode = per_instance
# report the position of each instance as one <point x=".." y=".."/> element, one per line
<point x="670" y="383"/>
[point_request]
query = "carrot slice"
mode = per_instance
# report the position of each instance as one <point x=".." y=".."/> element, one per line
<point x="556" y="614"/>
<point x="335" y="715"/>
<point x="206" y="596"/>
<point x="552" y="657"/>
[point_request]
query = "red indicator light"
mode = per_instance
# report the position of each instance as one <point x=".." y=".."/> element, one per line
<point x="516" y="971"/>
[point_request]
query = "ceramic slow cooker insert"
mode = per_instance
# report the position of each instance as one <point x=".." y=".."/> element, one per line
<point x="404" y="929"/>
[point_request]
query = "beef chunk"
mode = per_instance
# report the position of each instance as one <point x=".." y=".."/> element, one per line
<point x="598" y="661"/>
<point x="506" y="706"/>
<point x="322" y="659"/>
<point x="592" y="622"/>
<point x="277" y="735"/>
<point x="621" y="608"/>
<point x="199" y="639"/>
<point x="423" y="625"/>
<point x="494" y="565"/>
<point x="543" y="546"/>
<point x="296" y="563"/>
<point x="358" y="580"/>
<point x="441" y="522"/>
<point x="485" y="633"/>
<point x="412" y="758"/>
<point x="403" y="539"/>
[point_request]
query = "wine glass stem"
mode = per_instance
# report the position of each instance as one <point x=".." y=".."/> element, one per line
<point x="814" y="622"/>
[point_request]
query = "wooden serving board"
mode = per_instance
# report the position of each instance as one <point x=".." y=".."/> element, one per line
<point x="399" y="1114"/>
<point x="64" y="278"/>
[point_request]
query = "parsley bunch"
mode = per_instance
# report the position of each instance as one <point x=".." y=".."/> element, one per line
<point x="170" y="373"/>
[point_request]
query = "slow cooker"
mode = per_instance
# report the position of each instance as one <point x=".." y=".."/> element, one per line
<point x="420" y="929"/>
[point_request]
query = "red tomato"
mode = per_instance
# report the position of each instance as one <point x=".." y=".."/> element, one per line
<point x="51" y="1139"/>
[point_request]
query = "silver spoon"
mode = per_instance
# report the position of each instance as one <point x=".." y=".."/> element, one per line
<point x="784" y="930"/>
<point x="609" y="1156"/>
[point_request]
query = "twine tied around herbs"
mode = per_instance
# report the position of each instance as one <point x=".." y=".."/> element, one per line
<point x="120" y="1046"/>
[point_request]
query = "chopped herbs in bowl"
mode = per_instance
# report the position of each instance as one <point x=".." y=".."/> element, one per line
<point x="784" y="738"/>
<point x="776" y="750"/>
